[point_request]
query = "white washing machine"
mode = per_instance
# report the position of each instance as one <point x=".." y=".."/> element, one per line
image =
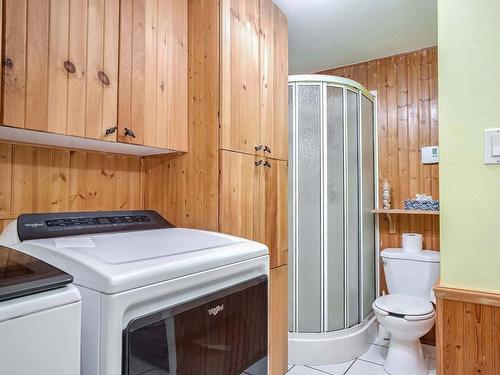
<point x="39" y="317"/>
<point x="156" y="299"/>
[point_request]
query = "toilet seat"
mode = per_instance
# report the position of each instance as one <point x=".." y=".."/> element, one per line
<point x="408" y="307"/>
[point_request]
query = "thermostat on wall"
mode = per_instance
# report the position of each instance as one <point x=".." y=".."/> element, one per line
<point x="430" y="155"/>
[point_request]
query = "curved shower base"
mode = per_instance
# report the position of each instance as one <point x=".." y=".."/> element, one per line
<point x="327" y="348"/>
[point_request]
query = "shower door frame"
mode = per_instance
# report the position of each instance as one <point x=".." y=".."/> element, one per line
<point x="345" y="84"/>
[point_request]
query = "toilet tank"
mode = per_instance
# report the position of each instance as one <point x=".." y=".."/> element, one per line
<point x="412" y="274"/>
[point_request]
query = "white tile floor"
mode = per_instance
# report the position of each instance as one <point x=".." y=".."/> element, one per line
<point x="370" y="363"/>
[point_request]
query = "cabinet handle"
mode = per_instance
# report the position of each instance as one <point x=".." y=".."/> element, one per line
<point x="69" y="66"/>
<point x="8" y="63"/>
<point x="111" y="130"/>
<point x="258" y="147"/>
<point x="267" y="149"/>
<point x="129" y="133"/>
<point x="103" y="78"/>
<point x="267" y="164"/>
<point x="257" y="163"/>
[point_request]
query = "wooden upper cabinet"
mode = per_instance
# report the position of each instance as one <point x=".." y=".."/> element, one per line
<point x="273" y="220"/>
<point x="274" y="80"/>
<point x="152" y="108"/>
<point x="240" y="75"/>
<point x="254" y="71"/>
<point x="60" y="66"/>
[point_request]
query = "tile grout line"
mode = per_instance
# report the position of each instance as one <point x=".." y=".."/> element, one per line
<point x="374" y="363"/>
<point x="315" y="369"/>
<point x="352" y="364"/>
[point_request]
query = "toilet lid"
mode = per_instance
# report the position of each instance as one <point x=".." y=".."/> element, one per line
<point x="404" y="305"/>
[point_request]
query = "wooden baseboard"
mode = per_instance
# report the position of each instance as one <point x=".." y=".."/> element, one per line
<point x="468" y="332"/>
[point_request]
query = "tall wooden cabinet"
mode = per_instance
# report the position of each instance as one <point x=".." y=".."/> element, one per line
<point x="253" y="196"/>
<point x="234" y="177"/>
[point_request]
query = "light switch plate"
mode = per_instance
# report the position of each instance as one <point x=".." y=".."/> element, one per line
<point x="430" y="155"/>
<point x="492" y="146"/>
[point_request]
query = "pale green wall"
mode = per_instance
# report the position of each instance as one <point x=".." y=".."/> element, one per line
<point x="469" y="102"/>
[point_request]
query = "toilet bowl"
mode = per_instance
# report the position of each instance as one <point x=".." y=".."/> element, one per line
<point x="406" y="325"/>
<point x="407" y="312"/>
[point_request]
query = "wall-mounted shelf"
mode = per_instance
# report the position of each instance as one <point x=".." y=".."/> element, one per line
<point x="400" y="211"/>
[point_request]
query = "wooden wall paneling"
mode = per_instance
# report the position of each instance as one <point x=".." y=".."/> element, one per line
<point x="35" y="179"/>
<point x="479" y="331"/>
<point x="274" y="80"/>
<point x="469" y="331"/>
<point x="22" y="179"/>
<point x="187" y="186"/>
<point x="453" y="325"/>
<point x="6" y="179"/>
<point x="278" y="321"/>
<point x="78" y="181"/>
<point x="239" y="195"/>
<point x="240" y="72"/>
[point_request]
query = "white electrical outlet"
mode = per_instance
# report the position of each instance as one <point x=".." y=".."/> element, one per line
<point x="430" y="155"/>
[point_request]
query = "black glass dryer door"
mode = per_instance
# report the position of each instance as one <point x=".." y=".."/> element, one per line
<point x="162" y="344"/>
<point x="237" y="326"/>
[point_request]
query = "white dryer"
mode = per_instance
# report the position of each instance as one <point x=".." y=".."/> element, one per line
<point x="156" y="299"/>
<point x="39" y="317"/>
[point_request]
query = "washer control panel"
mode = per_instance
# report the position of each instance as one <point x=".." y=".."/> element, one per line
<point x="60" y="224"/>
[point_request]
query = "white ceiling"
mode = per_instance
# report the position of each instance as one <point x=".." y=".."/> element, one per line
<point x="331" y="33"/>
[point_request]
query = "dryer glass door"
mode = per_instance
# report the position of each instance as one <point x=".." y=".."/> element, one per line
<point x="224" y="333"/>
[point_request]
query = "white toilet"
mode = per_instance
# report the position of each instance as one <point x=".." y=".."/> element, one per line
<point x="407" y="312"/>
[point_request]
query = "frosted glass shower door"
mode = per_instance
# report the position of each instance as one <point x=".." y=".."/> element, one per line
<point x="308" y="205"/>
<point x="334" y="241"/>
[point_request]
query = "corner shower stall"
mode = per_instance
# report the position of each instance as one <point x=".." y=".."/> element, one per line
<point x="332" y="272"/>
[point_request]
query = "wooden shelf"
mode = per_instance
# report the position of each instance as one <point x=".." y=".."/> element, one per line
<point x="400" y="211"/>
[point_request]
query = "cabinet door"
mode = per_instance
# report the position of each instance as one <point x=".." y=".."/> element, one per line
<point x="61" y="66"/>
<point x="152" y="108"/>
<point x="278" y="321"/>
<point x="240" y="75"/>
<point x="273" y="222"/>
<point x="239" y="195"/>
<point x="274" y="82"/>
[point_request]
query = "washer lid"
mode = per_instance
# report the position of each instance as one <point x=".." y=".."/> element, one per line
<point x="115" y="262"/>
<point x="22" y="275"/>
<point x="404" y="305"/>
<point x="424" y="256"/>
